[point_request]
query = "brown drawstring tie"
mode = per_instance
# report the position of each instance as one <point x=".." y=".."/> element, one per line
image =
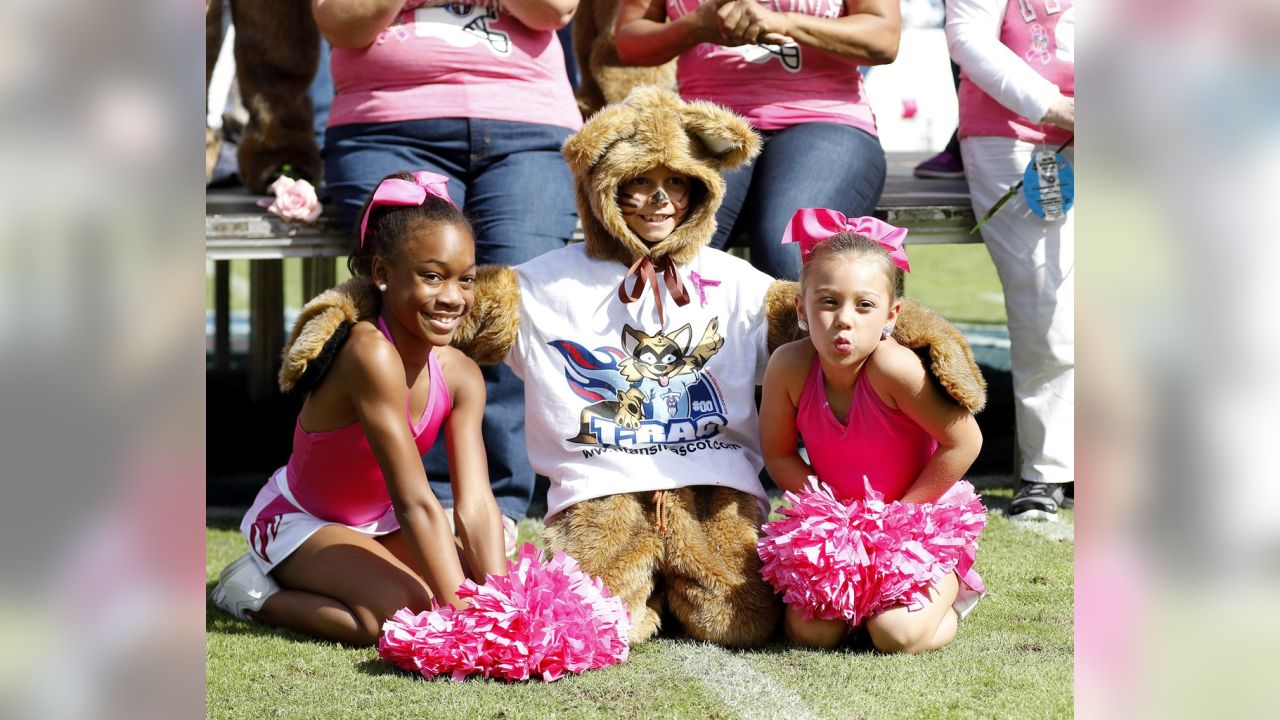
<point x="661" y="499"/>
<point x="645" y="272"/>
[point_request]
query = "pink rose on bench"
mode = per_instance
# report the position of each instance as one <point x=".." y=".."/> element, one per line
<point x="295" y="201"/>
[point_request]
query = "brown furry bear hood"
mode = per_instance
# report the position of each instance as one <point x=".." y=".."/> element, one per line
<point x="654" y="127"/>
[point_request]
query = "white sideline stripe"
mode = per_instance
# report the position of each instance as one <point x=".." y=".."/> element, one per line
<point x="750" y="694"/>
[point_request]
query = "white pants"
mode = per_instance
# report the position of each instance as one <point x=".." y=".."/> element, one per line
<point x="1036" y="263"/>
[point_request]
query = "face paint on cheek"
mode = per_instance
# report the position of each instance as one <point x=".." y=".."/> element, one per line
<point x="628" y="203"/>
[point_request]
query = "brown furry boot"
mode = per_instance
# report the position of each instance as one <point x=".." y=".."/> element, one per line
<point x="692" y="549"/>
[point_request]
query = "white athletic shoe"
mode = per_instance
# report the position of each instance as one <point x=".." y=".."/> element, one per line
<point x="242" y="587"/>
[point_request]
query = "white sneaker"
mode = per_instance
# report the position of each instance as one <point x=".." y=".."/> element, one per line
<point x="242" y="587"/>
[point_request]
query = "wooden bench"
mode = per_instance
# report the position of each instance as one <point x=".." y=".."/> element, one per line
<point x="936" y="211"/>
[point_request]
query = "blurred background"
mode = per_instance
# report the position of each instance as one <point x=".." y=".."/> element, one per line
<point x="103" y="392"/>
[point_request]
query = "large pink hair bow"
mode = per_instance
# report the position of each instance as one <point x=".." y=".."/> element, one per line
<point x="403" y="193"/>
<point x="810" y="226"/>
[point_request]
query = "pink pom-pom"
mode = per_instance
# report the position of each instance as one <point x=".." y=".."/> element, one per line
<point x="848" y="560"/>
<point x="539" y="620"/>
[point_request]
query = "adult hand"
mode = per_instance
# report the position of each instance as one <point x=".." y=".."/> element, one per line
<point x="746" y="22"/>
<point x="1062" y="113"/>
<point x="706" y="21"/>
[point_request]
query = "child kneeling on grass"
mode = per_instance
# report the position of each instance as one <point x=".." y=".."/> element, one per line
<point x="348" y="532"/>
<point x="877" y="430"/>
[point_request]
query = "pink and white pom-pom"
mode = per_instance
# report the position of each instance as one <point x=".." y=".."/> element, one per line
<point x="848" y="560"/>
<point x="539" y="620"/>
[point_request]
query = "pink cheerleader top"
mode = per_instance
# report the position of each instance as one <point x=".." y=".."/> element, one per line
<point x="334" y="475"/>
<point x="877" y="441"/>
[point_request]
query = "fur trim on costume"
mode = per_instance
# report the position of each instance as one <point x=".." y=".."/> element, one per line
<point x="605" y="79"/>
<point x="316" y="325"/>
<point x="780" y="309"/>
<point x="654" y="127"/>
<point x="951" y="361"/>
<point x="692" y="554"/>
<point x="489" y="330"/>
<point x="942" y="348"/>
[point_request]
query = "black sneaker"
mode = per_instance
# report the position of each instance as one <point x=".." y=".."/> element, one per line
<point x="1036" y="501"/>
<point x="1069" y="502"/>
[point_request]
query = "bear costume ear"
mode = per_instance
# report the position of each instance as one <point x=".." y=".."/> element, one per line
<point x="728" y="139"/>
<point x="583" y="150"/>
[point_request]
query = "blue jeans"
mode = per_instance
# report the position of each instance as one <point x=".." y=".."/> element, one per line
<point x="816" y="165"/>
<point x="516" y="188"/>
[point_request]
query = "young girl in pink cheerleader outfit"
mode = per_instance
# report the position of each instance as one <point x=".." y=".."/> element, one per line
<point x="348" y="532"/>
<point x="876" y="431"/>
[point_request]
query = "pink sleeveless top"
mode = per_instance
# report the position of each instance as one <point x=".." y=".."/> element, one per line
<point x="772" y="86"/>
<point x="1032" y="34"/>
<point x="334" y="475"/>
<point x="454" y="61"/>
<point x="883" y="444"/>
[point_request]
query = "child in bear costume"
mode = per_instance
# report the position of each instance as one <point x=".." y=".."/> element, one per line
<point x="640" y="359"/>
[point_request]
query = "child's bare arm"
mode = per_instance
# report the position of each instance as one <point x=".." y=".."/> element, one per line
<point x="897" y="372"/>
<point x="779" y="438"/>
<point x="479" y="520"/>
<point x="374" y="375"/>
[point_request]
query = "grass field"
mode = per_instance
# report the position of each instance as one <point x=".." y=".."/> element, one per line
<point x="1013" y="658"/>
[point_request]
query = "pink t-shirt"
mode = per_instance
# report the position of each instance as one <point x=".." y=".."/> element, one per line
<point x="1032" y="33"/>
<point x="776" y="86"/>
<point x="454" y="61"/>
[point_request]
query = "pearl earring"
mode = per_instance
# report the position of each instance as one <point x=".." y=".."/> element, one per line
<point x="886" y="332"/>
<point x="804" y="324"/>
<point x="382" y="286"/>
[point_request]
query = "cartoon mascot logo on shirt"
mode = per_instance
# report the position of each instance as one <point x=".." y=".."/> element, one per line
<point x="788" y="55"/>
<point x="654" y="390"/>
<point x="462" y="26"/>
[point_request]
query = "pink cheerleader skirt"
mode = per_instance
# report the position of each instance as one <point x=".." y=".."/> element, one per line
<point x="834" y="559"/>
<point x="276" y="524"/>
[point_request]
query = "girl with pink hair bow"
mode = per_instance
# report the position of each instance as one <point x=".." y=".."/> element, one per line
<point x="348" y="531"/>
<point x="881" y="531"/>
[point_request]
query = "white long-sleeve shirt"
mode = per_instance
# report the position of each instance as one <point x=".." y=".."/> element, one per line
<point x="973" y="37"/>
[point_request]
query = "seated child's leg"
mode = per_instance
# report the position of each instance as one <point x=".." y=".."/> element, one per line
<point x="819" y="634"/>
<point x="341" y="585"/>
<point x="929" y="628"/>
<point x="712" y="569"/>
<point x="611" y="537"/>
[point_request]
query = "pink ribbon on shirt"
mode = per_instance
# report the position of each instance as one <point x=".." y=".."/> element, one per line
<point x="701" y="284"/>
<point x="403" y="193"/>
<point x="810" y="226"/>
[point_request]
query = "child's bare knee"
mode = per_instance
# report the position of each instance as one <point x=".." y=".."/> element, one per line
<point x="816" y="634"/>
<point x="406" y="593"/>
<point x="896" y="635"/>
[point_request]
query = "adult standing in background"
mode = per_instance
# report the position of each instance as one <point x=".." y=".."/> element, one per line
<point x="1017" y="98"/>
<point x="478" y="93"/>
<point x="791" y="68"/>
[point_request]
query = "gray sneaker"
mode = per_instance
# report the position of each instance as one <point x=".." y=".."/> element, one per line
<point x="242" y="587"/>
<point x="1037" y="501"/>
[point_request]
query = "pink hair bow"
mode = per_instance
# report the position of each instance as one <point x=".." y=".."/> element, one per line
<point x="810" y="226"/>
<point x="403" y="193"/>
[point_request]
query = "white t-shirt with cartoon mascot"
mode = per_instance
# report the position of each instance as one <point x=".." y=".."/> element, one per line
<point x="616" y="402"/>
